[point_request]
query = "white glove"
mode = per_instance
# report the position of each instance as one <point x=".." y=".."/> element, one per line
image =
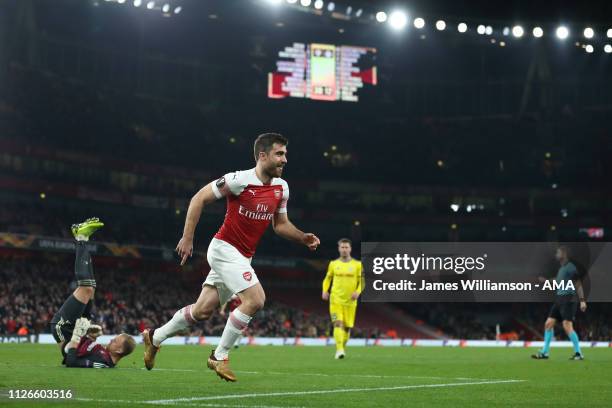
<point x="80" y="329"/>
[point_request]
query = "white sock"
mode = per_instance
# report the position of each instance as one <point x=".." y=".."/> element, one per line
<point x="179" y="322"/>
<point x="236" y="323"/>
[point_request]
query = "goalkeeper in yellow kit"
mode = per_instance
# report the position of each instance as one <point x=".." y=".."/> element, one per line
<point x="344" y="277"/>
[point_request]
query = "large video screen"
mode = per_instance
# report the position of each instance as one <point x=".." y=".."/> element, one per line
<point x="322" y="72"/>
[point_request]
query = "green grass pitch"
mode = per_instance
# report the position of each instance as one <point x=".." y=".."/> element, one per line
<point x="310" y="377"/>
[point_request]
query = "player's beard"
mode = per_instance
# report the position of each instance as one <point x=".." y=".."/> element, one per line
<point x="274" y="171"/>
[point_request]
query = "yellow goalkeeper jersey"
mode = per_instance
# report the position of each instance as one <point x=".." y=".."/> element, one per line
<point x="344" y="279"/>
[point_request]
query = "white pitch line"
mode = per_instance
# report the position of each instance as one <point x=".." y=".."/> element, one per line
<point x="189" y="370"/>
<point x="320" y="392"/>
<point x="323" y="375"/>
<point x="365" y="375"/>
<point x="194" y="404"/>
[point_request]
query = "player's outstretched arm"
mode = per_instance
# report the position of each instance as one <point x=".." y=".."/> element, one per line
<point x="285" y="228"/>
<point x="203" y="197"/>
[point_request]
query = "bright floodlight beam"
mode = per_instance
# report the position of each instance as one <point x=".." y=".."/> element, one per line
<point x="609" y="33"/>
<point x="589" y="49"/>
<point x="481" y="29"/>
<point x="398" y="20"/>
<point x="305" y="3"/>
<point x="562" y="32"/>
<point x="419" y="23"/>
<point x="517" y="31"/>
<point x="608" y="48"/>
<point x="381" y="16"/>
<point x="440" y="25"/>
<point x="488" y="30"/>
<point x="588" y="32"/>
<point x="462" y="27"/>
<point x="538" y="32"/>
<point x="318" y="4"/>
<point x="137" y="3"/>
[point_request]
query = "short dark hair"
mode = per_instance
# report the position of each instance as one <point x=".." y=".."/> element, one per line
<point x="345" y="241"/>
<point x="264" y="143"/>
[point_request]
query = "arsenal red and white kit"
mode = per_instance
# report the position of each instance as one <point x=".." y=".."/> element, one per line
<point x="251" y="205"/>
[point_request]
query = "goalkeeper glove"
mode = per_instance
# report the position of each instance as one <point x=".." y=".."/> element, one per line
<point x="80" y="329"/>
<point x="94" y="331"/>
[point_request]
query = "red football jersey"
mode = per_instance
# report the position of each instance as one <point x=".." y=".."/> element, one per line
<point x="251" y="205"/>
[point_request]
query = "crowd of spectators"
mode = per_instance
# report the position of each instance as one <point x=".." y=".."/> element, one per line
<point x="129" y="300"/>
<point x="524" y="321"/>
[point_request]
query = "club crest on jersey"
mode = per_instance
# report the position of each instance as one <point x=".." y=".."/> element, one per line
<point x="252" y="192"/>
<point x="247" y="276"/>
<point x="277" y="194"/>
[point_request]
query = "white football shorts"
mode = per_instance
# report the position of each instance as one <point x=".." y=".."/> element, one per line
<point x="230" y="271"/>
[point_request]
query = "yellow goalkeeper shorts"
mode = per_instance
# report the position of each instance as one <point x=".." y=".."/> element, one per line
<point x="346" y="314"/>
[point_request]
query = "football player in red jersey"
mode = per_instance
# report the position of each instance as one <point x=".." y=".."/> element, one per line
<point x="255" y="198"/>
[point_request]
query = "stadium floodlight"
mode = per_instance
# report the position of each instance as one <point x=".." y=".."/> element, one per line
<point x="166" y="8"/>
<point x="305" y="3"/>
<point x="398" y="20"/>
<point x="589" y="49"/>
<point x="609" y="33"/>
<point x="607" y="48"/>
<point x="562" y="32"/>
<point x="381" y="16"/>
<point x="506" y="31"/>
<point x="517" y="31"/>
<point x="481" y="29"/>
<point x="488" y="30"/>
<point x="120" y="1"/>
<point x="538" y="32"/>
<point x="358" y="13"/>
<point x="178" y="10"/>
<point x="150" y="5"/>
<point x="137" y="3"/>
<point x="349" y="10"/>
<point x="440" y="25"/>
<point x="462" y="27"/>
<point x="419" y="23"/>
<point x="455" y="207"/>
<point x="331" y="6"/>
<point x="318" y="4"/>
<point x="589" y="32"/>
<point x="291" y="1"/>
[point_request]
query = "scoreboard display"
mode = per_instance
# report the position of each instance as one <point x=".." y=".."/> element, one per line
<point x="322" y="72"/>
